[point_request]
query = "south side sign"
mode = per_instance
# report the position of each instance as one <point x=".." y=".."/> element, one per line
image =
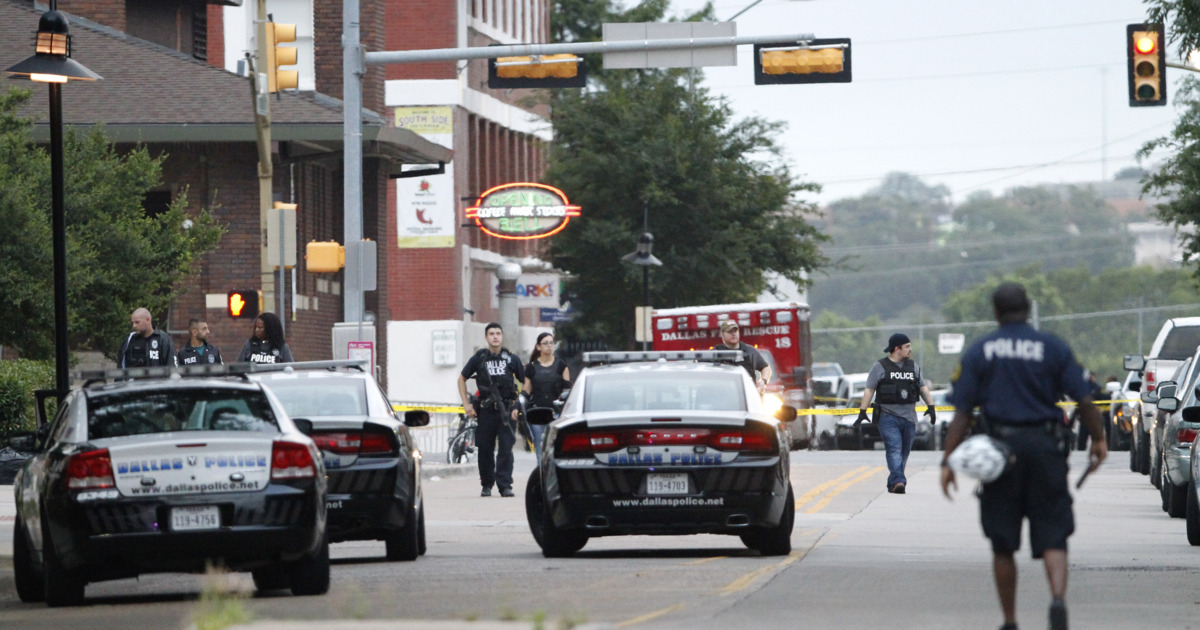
<point x="522" y="211"/>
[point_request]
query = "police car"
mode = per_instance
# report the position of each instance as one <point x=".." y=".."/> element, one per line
<point x="662" y="443"/>
<point x="372" y="463"/>
<point x="169" y="470"/>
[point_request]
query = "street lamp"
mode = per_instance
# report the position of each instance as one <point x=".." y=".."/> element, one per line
<point x="644" y="259"/>
<point x="52" y="64"/>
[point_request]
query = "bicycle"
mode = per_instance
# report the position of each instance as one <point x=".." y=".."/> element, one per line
<point x="461" y="445"/>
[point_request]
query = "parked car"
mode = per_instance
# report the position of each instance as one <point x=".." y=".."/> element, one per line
<point x="372" y="464"/>
<point x="1191" y="415"/>
<point x="827" y="382"/>
<point x="1176" y="438"/>
<point x="1176" y="340"/>
<point x="1161" y="417"/>
<point x="1123" y="411"/>
<point x="153" y="474"/>
<point x="643" y="446"/>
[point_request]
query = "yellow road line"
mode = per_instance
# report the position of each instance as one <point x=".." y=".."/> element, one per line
<point x="749" y="578"/>
<point x="650" y="616"/>
<point x="836" y="491"/>
<point x="811" y="494"/>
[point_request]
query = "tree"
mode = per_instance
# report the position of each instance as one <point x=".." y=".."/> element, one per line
<point x="118" y="257"/>
<point x="720" y="202"/>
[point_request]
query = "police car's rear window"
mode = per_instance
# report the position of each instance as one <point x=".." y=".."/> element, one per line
<point x="665" y="391"/>
<point x="320" y="397"/>
<point x="192" y="409"/>
<point x="1180" y="343"/>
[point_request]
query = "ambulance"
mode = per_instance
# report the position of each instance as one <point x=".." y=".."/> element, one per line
<point x="778" y="330"/>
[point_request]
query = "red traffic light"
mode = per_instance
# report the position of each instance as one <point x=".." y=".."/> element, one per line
<point x="1144" y="45"/>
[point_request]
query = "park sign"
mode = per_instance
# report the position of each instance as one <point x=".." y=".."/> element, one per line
<point x="522" y="211"/>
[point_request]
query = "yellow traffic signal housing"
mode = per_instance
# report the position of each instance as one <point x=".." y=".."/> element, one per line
<point x="538" y="71"/>
<point x="281" y="56"/>
<point x="814" y="61"/>
<point x="324" y="257"/>
<point x="243" y="303"/>
<point x="1147" y="64"/>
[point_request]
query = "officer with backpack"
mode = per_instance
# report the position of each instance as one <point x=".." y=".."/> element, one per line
<point x="496" y="372"/>
<point x="896" y="384"/>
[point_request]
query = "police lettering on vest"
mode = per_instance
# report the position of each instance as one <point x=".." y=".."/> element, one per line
<point x="1024" y="349"/>
<point x="899" y="384"/>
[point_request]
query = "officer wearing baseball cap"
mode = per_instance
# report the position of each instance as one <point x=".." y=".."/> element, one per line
<point x="752" y="361"/>
<point x="897" y="379"/>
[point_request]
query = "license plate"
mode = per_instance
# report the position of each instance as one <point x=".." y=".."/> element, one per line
<point x="664" y="483"/>
<point x="185" y="519"/>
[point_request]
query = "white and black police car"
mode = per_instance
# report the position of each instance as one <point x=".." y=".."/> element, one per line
<point x="662" y="443"/>
<point x="169" y="470"/>
<point x="372" y="463"/>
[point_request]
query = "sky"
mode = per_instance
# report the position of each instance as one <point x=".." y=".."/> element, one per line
<point x="973" y="95"/>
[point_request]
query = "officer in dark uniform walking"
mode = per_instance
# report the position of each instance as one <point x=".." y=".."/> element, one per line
<point x="496" y="372"/>
<point x="197" y="351"/>
<point x="145" y="346"/>
<point x="1015" y="376"/>
<point x="752" y="361"/>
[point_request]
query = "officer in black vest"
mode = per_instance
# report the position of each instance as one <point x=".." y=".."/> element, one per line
<point x="494" y="369"/>
<point x="145" y="346"/>
<point x="897" y="380"/>
<point x="198" y="351"/>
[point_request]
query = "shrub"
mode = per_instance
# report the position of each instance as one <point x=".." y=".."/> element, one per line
<point x="18" y="380"/>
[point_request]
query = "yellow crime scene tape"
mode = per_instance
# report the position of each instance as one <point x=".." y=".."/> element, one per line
<point x="845" y="411"/>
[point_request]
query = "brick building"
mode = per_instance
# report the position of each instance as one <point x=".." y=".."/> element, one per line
<point x="161" y="89"/>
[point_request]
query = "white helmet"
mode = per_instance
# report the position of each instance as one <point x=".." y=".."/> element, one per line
<point x="981" y="457"/>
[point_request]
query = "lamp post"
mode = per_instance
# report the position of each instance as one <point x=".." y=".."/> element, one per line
<point x="644" y="259"/>
<point x="52" y="63"/>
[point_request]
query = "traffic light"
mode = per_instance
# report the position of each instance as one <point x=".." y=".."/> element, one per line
<point x="814" y="61"/>
<point x="324" y="257"/>
<point x="280" y="56"/>
<point x="243" y="303"/>
<point x="1147" y="65"/>
<point x="538" y="71"/>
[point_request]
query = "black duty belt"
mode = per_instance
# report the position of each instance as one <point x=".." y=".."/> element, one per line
<point x="1001" y="429"/>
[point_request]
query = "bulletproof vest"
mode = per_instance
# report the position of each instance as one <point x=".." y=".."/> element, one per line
<point x="899" y="384"/>
<point x="493" y="368"/>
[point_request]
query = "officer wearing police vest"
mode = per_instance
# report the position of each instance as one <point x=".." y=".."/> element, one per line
<point x="897" y="381"/>
<point x="494" y="369"/>
<point x="1015" y="376"/>
<point x="146" y="345"/>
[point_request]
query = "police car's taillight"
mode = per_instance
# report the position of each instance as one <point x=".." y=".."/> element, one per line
<point x="1186" y="436"/>
<point x="341" y="443"/>
<point x="376" y="444"/>
<point x="579" y="443"/>
<point x="90" y="470"/>
<point x="291" y="460"/>
<point x="748" y="440"/>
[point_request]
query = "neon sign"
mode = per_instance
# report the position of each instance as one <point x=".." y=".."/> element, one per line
<point x="522" y="211"/>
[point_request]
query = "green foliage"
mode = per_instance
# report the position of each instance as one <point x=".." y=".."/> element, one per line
<point x="118" y="258"/>
<point x="1178" y="177"/>
<point x="18" y="380"/>
<point x="902" y="245"/>
<point x="1182" y="18"/>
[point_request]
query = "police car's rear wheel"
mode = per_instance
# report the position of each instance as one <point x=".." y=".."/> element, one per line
<point x="555" y="543"/>
<point x="405" y="543"/>
<point x="777" y="541"/>
<point x="310" y="576"/>
<point x="270" y="579"/>
<point x="30" y="585"/>
<point x="62" y="587"/>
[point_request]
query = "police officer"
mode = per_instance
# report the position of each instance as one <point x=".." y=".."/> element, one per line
<point x="496" y="372"/>
<point x="752" y="361"/>
<point x="198" y="351"/>
<point x="145" y="346"/>
<point x="897" y="380"/>
<point x="1015" y="375"/>
<point x="266" y="343"/>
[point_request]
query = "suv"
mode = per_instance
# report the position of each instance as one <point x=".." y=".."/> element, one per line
<point x="372" y="463"/>
<point x="827" y="380"/>
<point x="1176" y="341"/>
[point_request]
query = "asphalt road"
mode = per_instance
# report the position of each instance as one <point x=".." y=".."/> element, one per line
<point x="862" y="558"/>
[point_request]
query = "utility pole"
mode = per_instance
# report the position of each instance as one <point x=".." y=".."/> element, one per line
<point x="262" y="132"/>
